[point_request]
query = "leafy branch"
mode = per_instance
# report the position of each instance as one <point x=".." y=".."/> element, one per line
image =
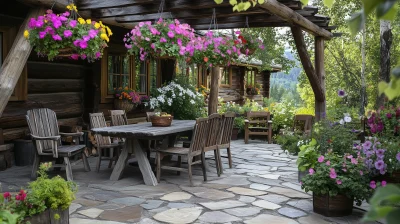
<point x="242" y="5"/>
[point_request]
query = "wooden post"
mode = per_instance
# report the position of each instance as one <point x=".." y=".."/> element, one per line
<point x="213" y="100"/>
<point x="320" y="105"/>
<point x="15" y="61"/>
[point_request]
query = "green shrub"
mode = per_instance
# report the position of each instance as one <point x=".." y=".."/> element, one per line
<point x="289" y="142"/>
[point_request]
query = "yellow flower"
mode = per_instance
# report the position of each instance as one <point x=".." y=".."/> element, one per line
<point x="97" y="25"/>
<point x="109" y="31"/>
<point x="26" y="33"/>
<point x="104" y="37"/>
<point x="103" y="30"/>
<point x="69" y="7"/>
<point x="89" y="21"/>
<point x="81" y="21"/>
<point x="101" y="24"/>
<point x="72" y="7"/>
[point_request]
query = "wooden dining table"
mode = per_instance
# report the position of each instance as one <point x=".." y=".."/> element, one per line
<point x="135" y="132"/>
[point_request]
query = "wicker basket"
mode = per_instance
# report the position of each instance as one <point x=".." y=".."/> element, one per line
<point x="66" y="52"/>
<point x="124" y="105"/>
<point x="251" y="51"/>
<point x="159" y="121"/>
<point x="335" y="206"/>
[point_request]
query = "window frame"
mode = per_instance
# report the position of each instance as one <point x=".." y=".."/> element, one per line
<point x="20" y="92"/>
<point x="229" y="73"/>
<point x="253" y="76"/>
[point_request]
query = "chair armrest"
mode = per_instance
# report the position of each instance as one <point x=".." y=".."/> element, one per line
<point x="76" y="134"/>
<point x="54" y="138"/>
<point x="246" y="121"/>
<point x="269" y="122"/>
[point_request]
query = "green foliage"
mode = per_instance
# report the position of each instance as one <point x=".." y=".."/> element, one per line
<point x="238" y="122"/>
<point x="291" y="142"/>
<point x="341" y="175"/>
<point x="308" y="155"/>
<point x="242" y="5"/>
<point x="6" y="217"/>
<point x="283" y="114"/>
<point x="384" y="204"/>
<point x="391" y="89"/>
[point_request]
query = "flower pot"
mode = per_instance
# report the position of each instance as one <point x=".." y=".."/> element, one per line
<point x="235" y="132"/>
<point x="250" y="52"/>
<point x="66" y="52"/>
<point x="301" y="174"/>
<point x="336" y="206"/>
<point x="159" y="121"/>
<point x="123" y="105"/>
<point x="48" y="216"/>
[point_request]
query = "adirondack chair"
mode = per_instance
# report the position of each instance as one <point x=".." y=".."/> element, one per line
<point x="200" y="135"/>
<point x="103" y="143"/>
<point x="304" y="122"/>
<point x="258" y="123"/>
<point x="213" y="138"/>
<point x="46" y="137"/>
<point x="225" y="140"/>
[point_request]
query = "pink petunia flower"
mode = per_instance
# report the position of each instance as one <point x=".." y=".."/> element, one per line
<point x="128" y="46"/>
<point x="72" y="23"/>
<point x="321" y="159"/>
<point x="339" y="182"/>
<point x="56" y="23"/>
<point x="57" y="37"/>
<point x="152" y="45"/>
<point x="354" y="161"/>
<point x="98" y="54"/>
<point x="163" y="40"/>
<point x="328" y="163"/>
<point x="39" y="23"/>
<point x="383" y="183"/>
<point x="75" y="56"/>
<point x="83" y="44"/>
<point x="83" y="56"/>
<point x="76" y="42"/>
<point x="311" y="171"/>
<point x="93" y="33"/>
<point x="171" y="34"/>
<point x="372" y="184"/>
<point x="67" y="33"/>
<point x="42" y="34"/>
<point x="332" y="173"/>
<point x="86" y="38"/>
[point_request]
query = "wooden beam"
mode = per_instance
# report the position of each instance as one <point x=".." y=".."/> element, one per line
<point x="320" y="106"/>
<point x="291" y="16"/>
<point x="15" y="61"/>
<point x="213" y="98"/>
<point x="307" y="65"/>
<point x="99" y="4"/>
<point x="242" y="25"/>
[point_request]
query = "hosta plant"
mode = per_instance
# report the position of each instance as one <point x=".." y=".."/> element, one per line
<point x="61" y="35"/>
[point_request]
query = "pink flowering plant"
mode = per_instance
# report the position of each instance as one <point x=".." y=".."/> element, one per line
<point x="249" y="42"/>
<point x="345" y="175"/>
<point x="385" y="122"/>
<point x="127" y="94"/>
<point x="61" y="35"/>
<point x="215" y="49"/>
<point x="162" y="38"/>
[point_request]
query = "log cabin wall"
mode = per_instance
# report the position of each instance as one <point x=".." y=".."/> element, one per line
<point x="234" y="91"/>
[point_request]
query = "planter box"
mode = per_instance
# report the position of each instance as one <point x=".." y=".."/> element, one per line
<point x="336" y="206"/>
<point x="48" y="217"/>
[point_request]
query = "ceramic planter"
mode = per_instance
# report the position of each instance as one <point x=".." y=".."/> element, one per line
<point x="336" y="206"/>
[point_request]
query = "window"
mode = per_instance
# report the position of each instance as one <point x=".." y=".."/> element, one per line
<point x="193" y="74"/>
<point x="250" y="76"/>
<point x="141" y="77"/>
<point x="118" y="72"/>
<point x="154" y="80"/>
<point x="226" y="76"/>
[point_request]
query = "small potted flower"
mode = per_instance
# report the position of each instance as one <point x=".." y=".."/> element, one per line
<point x="336" y="182"/>
<point x="62" y="35"/>
<point x="249" y="43"/>
<point x="126" y="99"/>
<point x="253" y="90"/>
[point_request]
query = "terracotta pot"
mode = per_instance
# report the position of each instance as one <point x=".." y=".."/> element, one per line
<point x="250" y="52"/>
<point x="235" y="132"/>
<point x="48" y="217"/>
<point x="124" y="105"/>
<point x="336" y="206"/>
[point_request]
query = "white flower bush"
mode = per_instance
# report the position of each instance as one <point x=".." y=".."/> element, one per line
<point x="182" y="102"/>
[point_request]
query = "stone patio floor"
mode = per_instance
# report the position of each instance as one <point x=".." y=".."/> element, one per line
<point x="261" y="188"/>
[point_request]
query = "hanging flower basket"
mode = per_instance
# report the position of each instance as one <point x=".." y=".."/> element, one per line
<point x="61" y="35"/>
<point x="247" y="51"/>
<point x="126" y="99"/>
<point x="249" y="43"/>
<point x="162" y="39"/>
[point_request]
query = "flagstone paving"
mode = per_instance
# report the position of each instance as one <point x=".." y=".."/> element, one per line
<point x="261" y="188"/>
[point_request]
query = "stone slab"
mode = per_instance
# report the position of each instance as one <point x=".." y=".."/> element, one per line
<point x="207" y="193"/>
<point x="265" y="218"/>
<point x="245" y="211"/>
<point x="270" y="182"/>
<point x="91" y="221"/>
<point x="246" y="191"/>
<point x="218" y="217"/>
<point x="176" y="196"/>
<point x="222" y="204"/>
<point x="305" y="205"/>
<point x="275" y="198"/>
<point x="151" y="204"/>
<point x="246" y="199"/>
<point x="128" y="201"/>
<point x="261" y="187"/>
<point x="270" y="176"/>
<point x="232" y="180"/>
<point x="313" y="219"/>
<point x="73" y="207"/>
<point x="266" y="204"/>
<point x="130" y="213"/>
<point x="91" y="212"/>
<point x="180" y="205"/>
<point x="291" y="212"/>
<point x="288" y="192"/>
<point x="179" y="216"/>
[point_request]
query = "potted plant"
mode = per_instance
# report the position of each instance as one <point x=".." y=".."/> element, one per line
<point x="253" y="89"/>
<point x="238" y="127"/>
<point x="126" y="99"/>
<point x="307" y="158"/>
<point x="45" y="201"/>
<point x="144" y="102"/>
<point x="336" y="182"/>
<point x="164" y="38"/>
<point x="215" y="49"/>
<point x="249" y="43"/>
<point x="62" y="35"/>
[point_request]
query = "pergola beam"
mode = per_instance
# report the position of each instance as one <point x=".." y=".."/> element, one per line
<point x="276" y="8"/>
<point x="243" y="24"/>
<point x="99" y="4"/>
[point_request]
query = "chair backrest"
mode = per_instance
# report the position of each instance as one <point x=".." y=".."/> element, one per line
<point x="304" y="121"/>
<point x="97" y="120"/>
<point x="214" y="134"/>
<point x="42" y="122"/>
<point x="258" y="119"/>
<point x="148" y="115"/>
<point x="118" y="117"/>
<point x="227" y="127"/>
<point x="200" y="135"/>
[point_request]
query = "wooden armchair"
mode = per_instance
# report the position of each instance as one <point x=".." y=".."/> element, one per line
<point x="258" y="123"/>
<point x="97" y="120"/>
<point x="304" y="123"/>
<point x="226" y="134"/>
<point x="118" y="118"/>
<point x="46" y="138"/>
<point x="213" y="138"/>
<point x="200" y="135"/>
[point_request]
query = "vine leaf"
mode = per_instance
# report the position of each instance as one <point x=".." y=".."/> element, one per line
<point x="218" y="1"/>
<point x="329" y="3"/>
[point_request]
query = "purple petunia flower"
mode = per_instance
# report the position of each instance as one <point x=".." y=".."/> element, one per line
<point x="93" y="33"/>
<point x="398" y="156"/>
<point x="98" y="54"/>
<point x="171" y="34"/>
<point x="83" y="44"/>
<point x="72" y="23"/>
<point x="67" y="33"/>
<point x="163" y="40"/>
<point x="83" y="56"/>
<point x="380" y="153"/>
<point x="332" y="173"/>
<point x="341" y="93"/>
<point x="372" y="184"/>
<point x="42" y="34"/>
<point x="379" y="164"/>
<point x="57" y="37"/>
<point x="311" y="171"/>
<point x="389" y="115"/>
<point x="367" y="145"/>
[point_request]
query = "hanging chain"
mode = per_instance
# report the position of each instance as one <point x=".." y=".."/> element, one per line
<point x="247" y="22"/>
<point x="213" y="20"/>
<point x="160" y="10"/>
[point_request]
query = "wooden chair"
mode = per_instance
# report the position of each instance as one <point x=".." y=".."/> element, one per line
<point x="213" y="138"/>
<point x="304" y="123"/>
<point x="97" y="120"/>
<point x="258" y="123"/>
<point x="200" y="134"/>
<point x="46" y="138"/>
<point x="118" y="117"/>
<point x="226" y="134"/>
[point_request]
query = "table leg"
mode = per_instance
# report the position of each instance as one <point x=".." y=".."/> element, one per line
<point x="144" y="164"/>
<point x="122" y="160"/>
